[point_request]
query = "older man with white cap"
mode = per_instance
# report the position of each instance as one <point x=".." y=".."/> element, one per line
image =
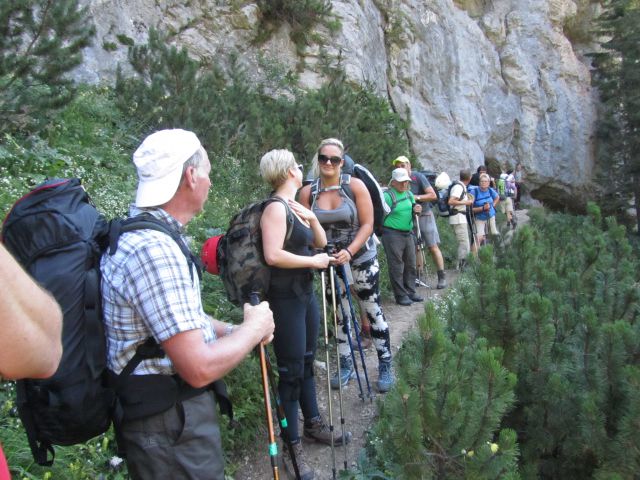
<point x="424" y="194"/>
<point x="168" y="425"/>
<point x="397" y="238"/>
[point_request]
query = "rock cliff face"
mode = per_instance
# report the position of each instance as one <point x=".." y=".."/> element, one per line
<point x="480" y="81"/>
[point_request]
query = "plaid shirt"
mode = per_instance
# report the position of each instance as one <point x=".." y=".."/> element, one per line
<point x="147" y="290"/>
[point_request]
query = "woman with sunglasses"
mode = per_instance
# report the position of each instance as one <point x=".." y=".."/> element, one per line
<point x="343" y="206"/>
<point x="290" y="232"/>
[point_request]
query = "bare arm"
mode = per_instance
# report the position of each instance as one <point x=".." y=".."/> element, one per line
<point x="199" y="363"/>
<point x="428" y="195"/>
<point x="364" y="207"/>
<point x="274" y="229"/>
<point x="30" y="322"/>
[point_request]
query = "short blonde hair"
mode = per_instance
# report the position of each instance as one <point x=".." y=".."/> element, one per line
<point x="315" y="169"/>
<point x="484" y="176"/>
<point x="275" y="165"/>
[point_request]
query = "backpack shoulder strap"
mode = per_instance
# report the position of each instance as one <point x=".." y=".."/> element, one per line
<point x="394" y="200"/>
<point x="345" y="184"/>
<point x="290" y="218"/>
<point x="146" y="221"/>
<point x="314" y="191"/>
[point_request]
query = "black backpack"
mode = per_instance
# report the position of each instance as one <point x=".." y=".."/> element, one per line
<point x="58" y="236"/>
<point x="240" y="257"/>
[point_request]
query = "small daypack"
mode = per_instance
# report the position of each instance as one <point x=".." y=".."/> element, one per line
<point x="380" y="207"/>
<point x="58" y="236"/>
<point x="501" y="186"/>
<point x="239" y="254"/>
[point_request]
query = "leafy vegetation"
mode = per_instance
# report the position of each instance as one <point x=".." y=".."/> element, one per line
<point x="617" y="77"/>
<point x="93" y="138"/>
<point x="558" y="309"/>
<point x="40" y="42"/>
<point x="301" y="16"/>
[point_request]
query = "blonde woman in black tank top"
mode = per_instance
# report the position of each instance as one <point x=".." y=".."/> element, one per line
<point x="292" y="300"/>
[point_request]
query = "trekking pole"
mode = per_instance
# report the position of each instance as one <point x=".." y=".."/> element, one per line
<point x="423" y="270"/>
<point x="471" y="218"/>
<point x="332" y="281"/>
<point x="282" y="417"/>
<point x="347" y="288"/>
<point x="323" y="280"/>
<point x="350" y="342"/>
<point x="273" y="446"/>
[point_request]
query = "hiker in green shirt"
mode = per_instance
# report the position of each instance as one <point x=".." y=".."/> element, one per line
<point x="397" y="238"/>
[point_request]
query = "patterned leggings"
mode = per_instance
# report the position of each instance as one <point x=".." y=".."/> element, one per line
<point x="366" y="283"/>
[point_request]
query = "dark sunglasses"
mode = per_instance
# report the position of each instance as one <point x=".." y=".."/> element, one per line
<point x="333" y="160"/>
<point x="300" y="167"/>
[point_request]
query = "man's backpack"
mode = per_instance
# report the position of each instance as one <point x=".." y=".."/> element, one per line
<point x="380" y="207"/>
<point x="58" y="236"/>
<point x="443" y="186"/>
<point x="239" y="255"/>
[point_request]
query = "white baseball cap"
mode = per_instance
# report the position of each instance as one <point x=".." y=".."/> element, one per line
<point x="159" y="161"/>
<point x="400" y="175"/>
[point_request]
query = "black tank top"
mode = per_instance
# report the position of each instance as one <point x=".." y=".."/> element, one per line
<point x="300" y="243"/>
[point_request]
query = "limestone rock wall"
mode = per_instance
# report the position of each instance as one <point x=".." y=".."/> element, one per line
<point x="479" y="81"/>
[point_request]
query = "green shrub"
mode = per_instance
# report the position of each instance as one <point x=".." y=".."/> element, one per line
<point x="301" y="16"/>
<point x="440" y="418"/>
<point x="41" y="43"/>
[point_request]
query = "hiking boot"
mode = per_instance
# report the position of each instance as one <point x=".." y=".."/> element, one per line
<point x="404" y="300"/>
<point x="386" y="378"/>
<point x="305" y="470"/>
<point x="442" y="282"/>
<point x="344" y="373"/>
<point x="416" y="298"/>
<point x="316" y="429"/>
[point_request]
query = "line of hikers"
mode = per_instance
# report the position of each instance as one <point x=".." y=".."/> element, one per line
<point x="166" y="357"/>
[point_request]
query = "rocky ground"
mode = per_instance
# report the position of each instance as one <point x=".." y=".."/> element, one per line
<point x="359" y="415"/>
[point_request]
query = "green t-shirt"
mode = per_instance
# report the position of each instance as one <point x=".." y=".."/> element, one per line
<point x="401" y="218"/>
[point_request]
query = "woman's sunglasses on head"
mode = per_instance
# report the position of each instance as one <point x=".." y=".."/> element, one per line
<point x="324" y="159"/>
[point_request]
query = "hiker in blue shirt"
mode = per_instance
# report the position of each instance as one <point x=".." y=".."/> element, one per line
<point x="485" y="200"/>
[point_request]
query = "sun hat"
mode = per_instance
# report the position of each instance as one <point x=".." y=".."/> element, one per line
<point x="159" y="161"/>
<point x="400" y="175"/>
<point x="400" y="159"/>
<point x="209" y="254"/>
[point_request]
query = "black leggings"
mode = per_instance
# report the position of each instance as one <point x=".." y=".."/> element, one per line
<point x="297" y="320"/>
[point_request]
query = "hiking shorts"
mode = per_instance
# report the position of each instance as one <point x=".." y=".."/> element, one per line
<point x="429" y="229"/>
<point x="486" y="227"/>
<point x="506" y="205"/>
